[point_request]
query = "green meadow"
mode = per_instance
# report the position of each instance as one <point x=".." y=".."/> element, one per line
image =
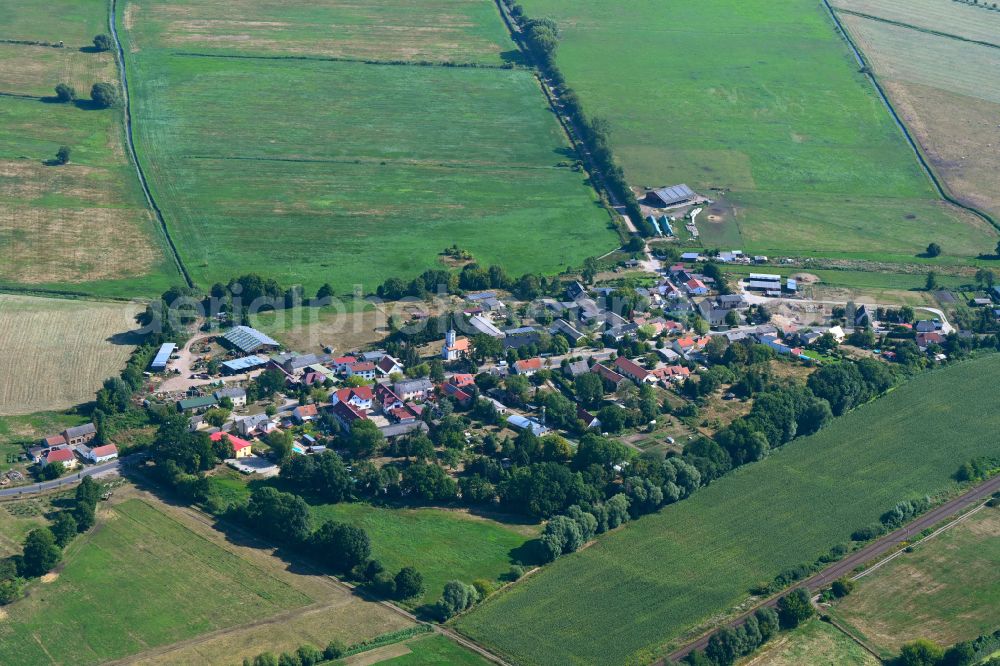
<point x="442" y="545"/>
<point x="648" y="583"/>
<point x="346" y="172"/>
<point x="765" y="100"/>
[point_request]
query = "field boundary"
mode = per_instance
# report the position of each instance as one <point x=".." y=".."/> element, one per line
<point x="869" y="72"/>
<point x="910" y="26"/>
<point x="575" y="138"/>
<point x="359" y="61"/>
<point x="130" y="143"/>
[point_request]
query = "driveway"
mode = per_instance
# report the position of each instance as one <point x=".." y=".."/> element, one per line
<point x="180" y="383"/>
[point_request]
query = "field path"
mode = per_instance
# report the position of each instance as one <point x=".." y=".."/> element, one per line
<point x="858" y="558"/>
<point x="130" y="143"/>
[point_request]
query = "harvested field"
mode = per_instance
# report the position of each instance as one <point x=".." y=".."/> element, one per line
<point x="947" y="16"/>
<point x="44" y="341"/>
<point x="459" y="31"/>
<point x="692" y="562"/>
<point x="947" y="590"/>
<point x="952" y="110"/>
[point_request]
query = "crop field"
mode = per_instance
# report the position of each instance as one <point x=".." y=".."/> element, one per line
<point x="763" y="99"/>
<point x="190" y="581"/>
<point x="947" y="590"/>
<point x="345" y="172"/>
<point x="814" y="644"/>
<point x="659" y="577"/>
<point x="443" y="545"/>
<point x="45" y="341"/>
<point x="83" y="226"/>
<point x="944" y="85"/>
<point x="440" y="31"/>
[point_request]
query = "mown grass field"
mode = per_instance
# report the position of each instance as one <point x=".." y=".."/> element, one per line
<point x="348" y="173"/>
<point x="947" y="590"/>
<point x="443" y="545"/>
<point x="147" y="580"/>
<point x="440" y="31"/>
<point x="764" y="99"/>
<point x="55" y="353"/>
<point x="913" y="48"/>
<point x="660" y="576"/>
<point x="81" y="227"/>
<point x="814" y="644"/>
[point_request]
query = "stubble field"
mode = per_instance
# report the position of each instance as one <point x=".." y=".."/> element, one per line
<point x="318" y="171"/>
<point x="55" y="353"/>
<point x="947" y="590"/>
<point x="659" y="577"/>
<point x="765" y="100"/>
<point x="943" y="83"/>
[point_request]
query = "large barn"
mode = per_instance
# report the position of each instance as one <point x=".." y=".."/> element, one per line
<point x="675" y="195"/>
<point x="248" y="340"/>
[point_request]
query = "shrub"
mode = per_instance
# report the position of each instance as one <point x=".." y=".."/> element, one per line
<point x="65" y="93"/>
<point x="842" y="587"/>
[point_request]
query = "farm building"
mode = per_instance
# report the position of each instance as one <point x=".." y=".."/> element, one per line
<point x="245" y="364"/>
<point x="81" y="434"/>
<point x="563" y="327"/>
<point x="528" y="366"/>
<point x="196" y="404"/>
<point x="159" y="363"/>
<point x="248" y="340"/>
<point x="413" y="389"/>
<point x="484" y="325"/>
<point x="675" y="195"/>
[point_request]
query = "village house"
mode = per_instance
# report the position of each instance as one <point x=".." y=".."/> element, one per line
<point x="671" y="374"/>
<point x="413" y="389"/>
<point x="63" y="456"/>
<point x="695" y="287"/>
<point x="237" y="395"/>
<point x="589" y="420"/>
<point x="563" y="327"/>
<point x="387" y="365"/>
<point x="241" y="447"/>
<point x="363" y="369"/>
<point x="528" y="367"/>
<point x="258" y="423"/>
<point x="632" y="370"/>
<point x="519" y="422"/>
<point x="609" y="376"/>
<point x="576" y="368"/>
<point x="340" y="364"/>
<point x="304" y="413"/>
<point x="347" y="414"/>
<point x="383" y="394"/>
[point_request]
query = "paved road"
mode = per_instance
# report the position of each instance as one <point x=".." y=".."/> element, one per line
<point x="847" y="565"/>
<point x="72" y="479"/>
